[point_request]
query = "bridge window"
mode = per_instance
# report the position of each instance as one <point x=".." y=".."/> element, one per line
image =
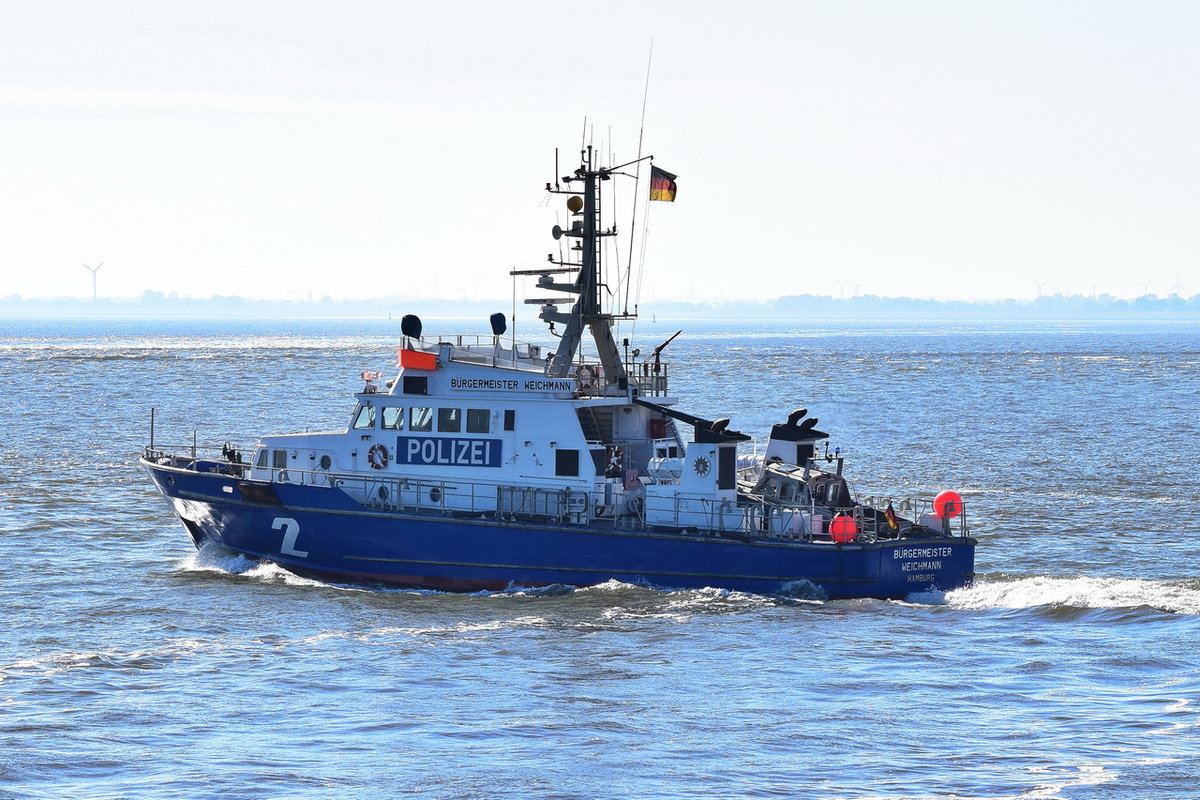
<point x="416" y="384"/>
<point x="279" y="459"/>
<point x="566" y="462"/>
<point x="450" y="420"/>
<point x="479" y="420"/>
<point x="510" y="420"/>
<point x="365" y="418"/>
<point x="420" y="419"/>
<point x="393" y="418"/>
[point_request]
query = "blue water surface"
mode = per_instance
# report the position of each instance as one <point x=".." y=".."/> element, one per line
<point x="133" y="666"/>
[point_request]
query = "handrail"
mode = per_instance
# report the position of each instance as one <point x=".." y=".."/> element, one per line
<point x="749" y="517"/>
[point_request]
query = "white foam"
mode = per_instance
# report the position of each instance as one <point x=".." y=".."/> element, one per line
<point x="212" y="558"/>
<point x="613" y="586"/>
<point x="522" y="622"/>
<point x="1086" y="775"/>
<point x="54" y="663"/>
<point x="273" y="573"/>
<point x="1082" y="592"/>
<point x="710" y="598"/>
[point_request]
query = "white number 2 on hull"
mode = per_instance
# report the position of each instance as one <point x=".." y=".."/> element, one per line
<point x="291" y="529"/>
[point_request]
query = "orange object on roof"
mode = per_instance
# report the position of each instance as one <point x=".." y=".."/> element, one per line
<point x="413" y="359"/>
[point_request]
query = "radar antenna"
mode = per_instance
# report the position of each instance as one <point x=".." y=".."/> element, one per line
<point x="582" y="258"/>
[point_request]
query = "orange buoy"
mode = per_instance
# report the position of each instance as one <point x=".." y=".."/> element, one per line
<point x="948" y="504"/>
<point x="843" y="529"/>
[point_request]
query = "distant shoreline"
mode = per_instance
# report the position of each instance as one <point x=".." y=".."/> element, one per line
<point x="815" y="307"/>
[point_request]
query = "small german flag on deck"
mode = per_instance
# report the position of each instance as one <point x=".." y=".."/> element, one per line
<point x="662" y="185"/>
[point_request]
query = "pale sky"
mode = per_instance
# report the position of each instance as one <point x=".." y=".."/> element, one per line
<point x="956" y="150"/>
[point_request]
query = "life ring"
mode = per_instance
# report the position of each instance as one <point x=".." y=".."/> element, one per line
<point x="377" y="456"/>
<point x="616" y="462"/>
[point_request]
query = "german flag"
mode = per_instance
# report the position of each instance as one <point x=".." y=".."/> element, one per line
<point x="662" y="185"/>
<point x="890" y="515"/>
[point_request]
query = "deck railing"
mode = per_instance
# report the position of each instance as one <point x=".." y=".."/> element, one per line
<point x="764" y="520"/>
<point x="649" y="379"/>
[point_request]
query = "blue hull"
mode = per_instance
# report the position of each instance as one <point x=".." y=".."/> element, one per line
<point x="320" y="531"/>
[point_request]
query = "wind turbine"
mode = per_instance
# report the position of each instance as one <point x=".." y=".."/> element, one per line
<point x="1177" y="289"/>
<point x="1039" y="284"/>
<point x="94" y="270"/>
<point x="1145" y="287"/>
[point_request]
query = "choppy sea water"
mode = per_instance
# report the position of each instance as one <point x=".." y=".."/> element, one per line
<point x="133" y="666"/>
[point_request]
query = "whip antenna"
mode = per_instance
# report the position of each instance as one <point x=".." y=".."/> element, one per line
<point x="637" y="178"/>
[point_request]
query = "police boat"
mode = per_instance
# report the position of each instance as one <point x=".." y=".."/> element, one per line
<point x="489" y="463"/>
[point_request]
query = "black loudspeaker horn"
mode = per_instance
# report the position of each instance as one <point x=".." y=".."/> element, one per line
<point x="410" y="326"/>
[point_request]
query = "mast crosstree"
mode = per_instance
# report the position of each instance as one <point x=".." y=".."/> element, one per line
<point x="586" y="230"/>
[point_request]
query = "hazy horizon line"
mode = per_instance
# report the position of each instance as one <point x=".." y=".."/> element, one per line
<point x="808" y="306"/>
<point x="156" y="296"/>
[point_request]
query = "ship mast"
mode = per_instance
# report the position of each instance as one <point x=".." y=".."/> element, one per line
<point x="586" y="230"/>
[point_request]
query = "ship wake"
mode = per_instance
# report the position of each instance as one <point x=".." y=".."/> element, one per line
<point x="1080" y="593"/>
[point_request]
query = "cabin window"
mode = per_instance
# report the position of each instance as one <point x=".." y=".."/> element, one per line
<point x="566" y="462"/>
<point x="279" y="459"/>
<point x="416" y="384"/>
<point x="262" y="458"/>
<point x="420" y="419"/>
<point x="479" y="420"/>
<point x="365" y="418"/>
<point x="510" y="420"/>
<point x="450" y="420"/>
<point x="787" y="492"/>
<point x="393" y="418"/>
